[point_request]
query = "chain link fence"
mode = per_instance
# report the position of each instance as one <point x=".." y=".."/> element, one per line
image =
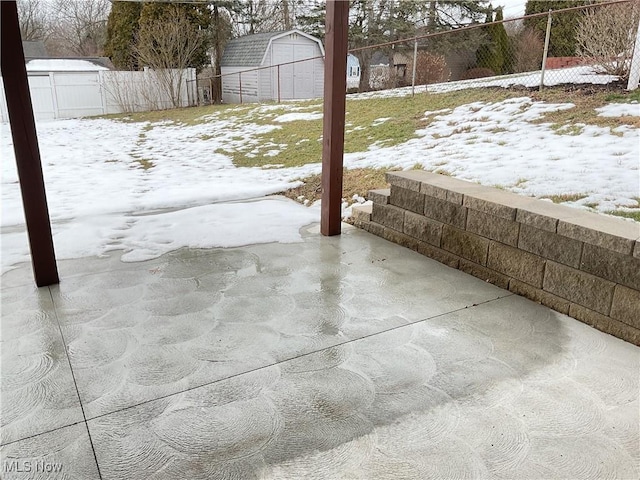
<point x="582" y="45"/>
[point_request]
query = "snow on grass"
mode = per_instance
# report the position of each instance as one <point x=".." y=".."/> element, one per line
<point x="576" y="75"/>
<point x="496" y="145"/>
<point x="380" y="121"/>
<point x="620" y="110"/>
<point x="294" y="117"/>
<point x="148" y="188"/>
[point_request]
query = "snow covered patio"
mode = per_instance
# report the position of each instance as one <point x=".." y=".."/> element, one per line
<point x="334" y="357"/>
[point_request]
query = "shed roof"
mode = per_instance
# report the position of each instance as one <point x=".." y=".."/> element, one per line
<point x="249" y="51"/>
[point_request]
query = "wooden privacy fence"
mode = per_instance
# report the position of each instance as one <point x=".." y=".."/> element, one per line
<point x="80" y="94"/>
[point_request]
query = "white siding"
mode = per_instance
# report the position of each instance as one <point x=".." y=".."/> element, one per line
<point x="231" y="87"/>
<point x="268" y="87"/>
<point x="318" y="74"/>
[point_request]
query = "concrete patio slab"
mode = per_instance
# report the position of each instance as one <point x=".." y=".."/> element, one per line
<point x="63" y="453"/>
<point x="37" y="392"/>
<point x="341" y="357"/>
<point x="136" y="334"/>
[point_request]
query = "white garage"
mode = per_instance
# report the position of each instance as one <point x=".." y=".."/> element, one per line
<point x="250" y="71"/>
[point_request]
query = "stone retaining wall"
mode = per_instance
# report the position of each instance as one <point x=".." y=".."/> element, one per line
<point x="579" y="263"/>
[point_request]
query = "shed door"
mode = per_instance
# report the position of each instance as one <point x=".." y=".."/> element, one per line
<point x="296" y="80"/>
<point x="303" y="71"/>
<point x="42" y="97"/>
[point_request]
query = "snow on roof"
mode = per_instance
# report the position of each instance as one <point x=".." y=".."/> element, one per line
<point x="62" y="65"/>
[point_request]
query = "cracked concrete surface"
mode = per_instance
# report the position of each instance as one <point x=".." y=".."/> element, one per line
<point x="343" y="357"/>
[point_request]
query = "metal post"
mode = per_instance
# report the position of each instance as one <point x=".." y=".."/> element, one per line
<point x="634" y="69"/>
<point x="546" y="50"/>
<point x="335" y="92"/>
<point x="240" y="82"/>
<point x="278" y="83"/>
<point x="415" y="60"/>
<point x="25" y="145"/>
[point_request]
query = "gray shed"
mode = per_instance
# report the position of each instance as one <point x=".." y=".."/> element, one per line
<point x="292" y="81"/>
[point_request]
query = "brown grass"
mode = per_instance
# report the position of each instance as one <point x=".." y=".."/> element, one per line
<point x="586" y="100"/>
<point x="355" y="182"/>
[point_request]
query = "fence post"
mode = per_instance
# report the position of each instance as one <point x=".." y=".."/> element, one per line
<point x="415" y="60"/>
<point x="634" y="69"/>
<point x="278" y="83"/>
<point x="240" y="83"/>
<point x="546" y="50"/>
<point x="54" y="95"/>
<point x="103" y="92"/>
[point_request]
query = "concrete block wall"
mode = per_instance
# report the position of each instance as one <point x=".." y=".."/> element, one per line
<point x="579" y="263"/>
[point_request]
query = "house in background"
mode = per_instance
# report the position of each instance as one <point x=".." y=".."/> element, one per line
<point x="300" y="80"/>
<point x="353" y="71"/>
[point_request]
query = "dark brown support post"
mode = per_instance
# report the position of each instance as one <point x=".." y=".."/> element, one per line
<point x="335" y="89"/>
<point x="25" y="144"/>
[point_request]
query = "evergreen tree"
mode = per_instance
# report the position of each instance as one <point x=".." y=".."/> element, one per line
<point x="489" y="54"/>
<point x="504" y="43"/>
<point x="122" y="29"/>
<point x="562" y="42"/>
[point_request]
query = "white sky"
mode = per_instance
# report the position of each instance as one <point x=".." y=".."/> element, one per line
<point x="512" y="8"/>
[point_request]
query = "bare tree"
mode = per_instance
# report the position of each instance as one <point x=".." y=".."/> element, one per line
<point x="80" y="27"/>
<point x="606" y="36"/>
<point x="34" y="20"/>
<point x="259" y="16"/>
<point x="169" y="47"/>
<point x="528" y="47"/>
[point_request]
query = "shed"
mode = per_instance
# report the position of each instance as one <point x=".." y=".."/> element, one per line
<point x="300" y="80"/>
<point x="63" y="87"/>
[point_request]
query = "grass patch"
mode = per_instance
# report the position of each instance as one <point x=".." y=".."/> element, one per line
<point x="634" y="215"/>
<point x="566" y="129"/>
<point x="566" y="197"/>
<point x="406" y="115"/>
<point x="357" y="181"/>
<point x="623" y="97"/>
<point x="145" y="163"/>
<point x="585" y="101"/>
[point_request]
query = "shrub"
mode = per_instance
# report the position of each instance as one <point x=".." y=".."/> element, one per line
<point x="430" y="68"/>
<point x="528" y="47"/>
<point x="606" y="36"/>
